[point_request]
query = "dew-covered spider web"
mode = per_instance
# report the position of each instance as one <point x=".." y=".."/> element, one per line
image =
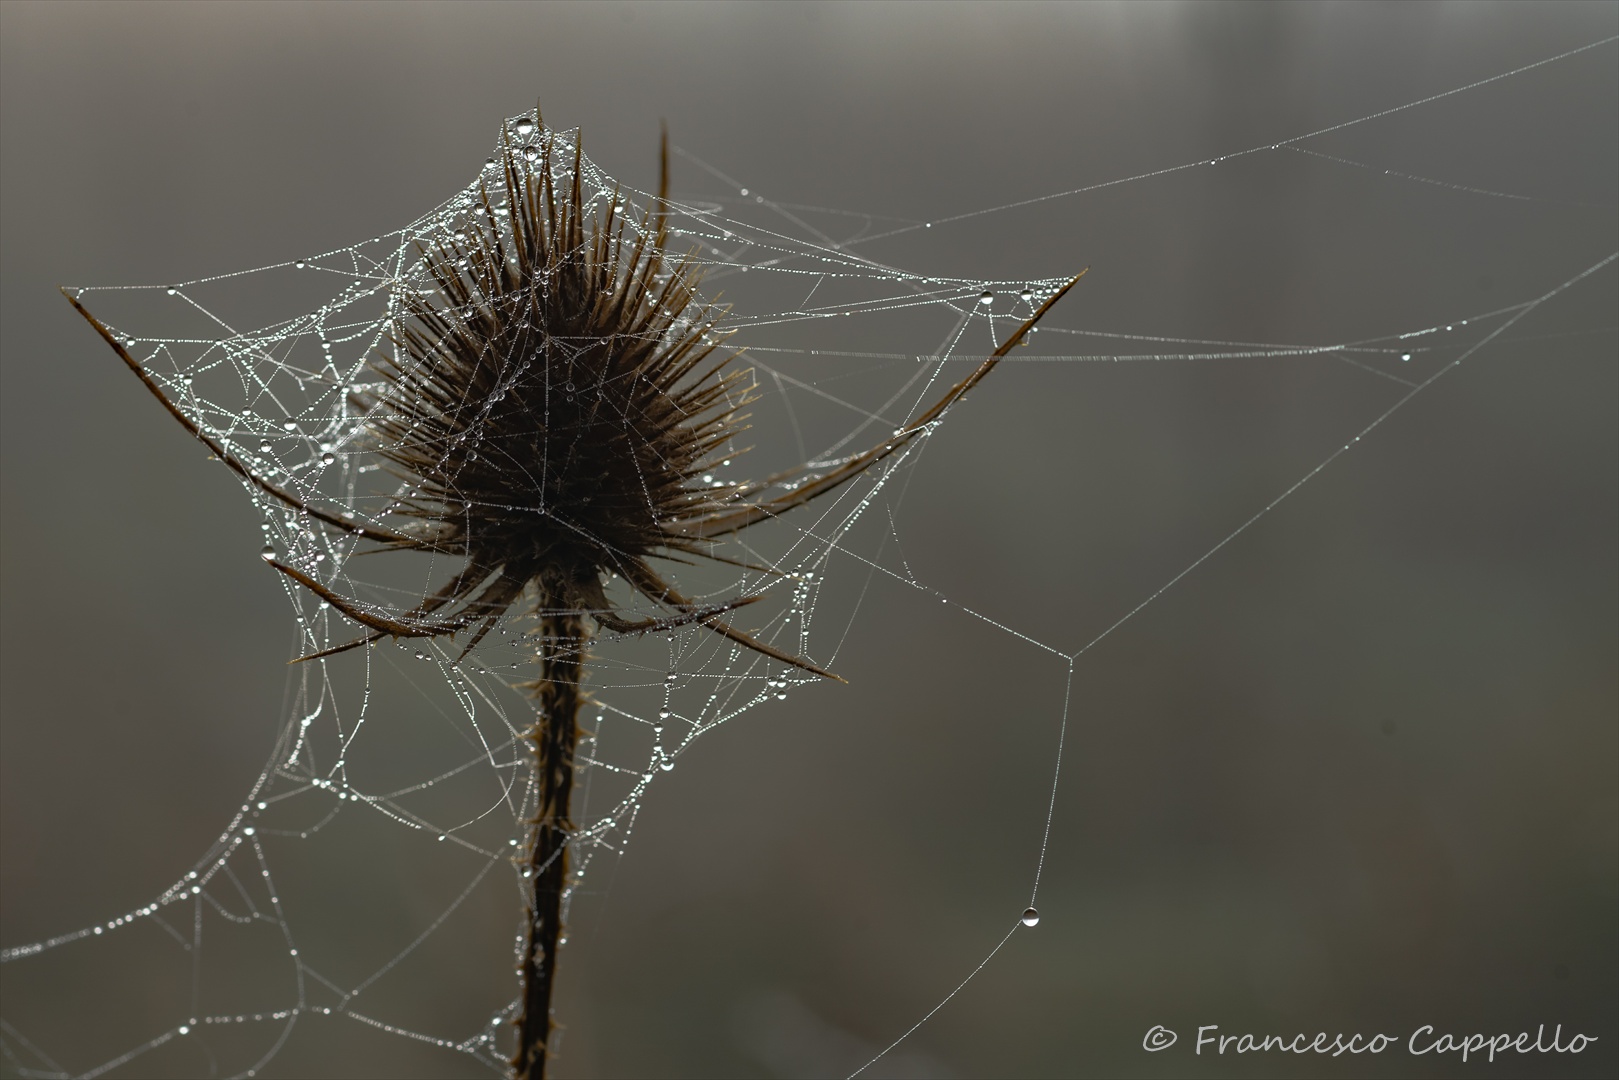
<point x="412" y="743"/>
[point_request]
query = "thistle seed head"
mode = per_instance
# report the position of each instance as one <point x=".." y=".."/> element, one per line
<point x="549" y="406"/>
<point x="553" y="400"/>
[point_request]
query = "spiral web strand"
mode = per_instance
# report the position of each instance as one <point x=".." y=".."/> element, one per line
<point x="288" y="400"/>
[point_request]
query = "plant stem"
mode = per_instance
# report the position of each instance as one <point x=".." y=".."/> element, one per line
<point x="557" y="697"/>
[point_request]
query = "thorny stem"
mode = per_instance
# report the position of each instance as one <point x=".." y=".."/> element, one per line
<point x="557" y="697"/>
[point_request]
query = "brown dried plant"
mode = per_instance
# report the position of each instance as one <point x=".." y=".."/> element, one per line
<point x="549" y="407"/>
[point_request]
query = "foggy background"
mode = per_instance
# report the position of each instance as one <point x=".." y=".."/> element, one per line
<point x="1355" y="773"/>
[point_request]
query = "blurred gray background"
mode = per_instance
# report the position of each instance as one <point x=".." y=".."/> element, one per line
<point x="1355" y="773"/>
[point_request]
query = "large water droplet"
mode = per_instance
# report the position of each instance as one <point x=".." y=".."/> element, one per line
<point x="986" y="297"/>
<point x="1031" y="917"/>
<point x="328" y="458"/>
<point x="524" y="125"/>
<point x="268" y="553"/>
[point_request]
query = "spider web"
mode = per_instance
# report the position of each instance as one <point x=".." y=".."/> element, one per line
<point x="411" y="743"/>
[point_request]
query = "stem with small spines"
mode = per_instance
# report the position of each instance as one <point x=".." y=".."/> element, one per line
<point x="557" y="697"/>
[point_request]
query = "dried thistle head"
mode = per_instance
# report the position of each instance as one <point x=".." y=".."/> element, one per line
<point x="549" y="406"/>
<point x="553" y="402"/>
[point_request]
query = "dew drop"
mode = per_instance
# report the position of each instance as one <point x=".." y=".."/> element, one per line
<point x="1031" y="917"/>
<point x="263" y="805"/>
<point x="986" y="297"/>
<point x="248" y="831"/>
<point x="524" y="125"/>
<point x="185" y="1030"/>
<point x="744" y="191"/>
<point x="667" y="764"/>
<point x="531" y="152"/>
<point x="268" y="553"/>
<point x="264" y="447"/>
<point x="1405" y="356"/>
<point x="328" y="458"/>
<point x="300" y="264"/>
<point x="1026" y="295"/>
<point x="173" y="291"/>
